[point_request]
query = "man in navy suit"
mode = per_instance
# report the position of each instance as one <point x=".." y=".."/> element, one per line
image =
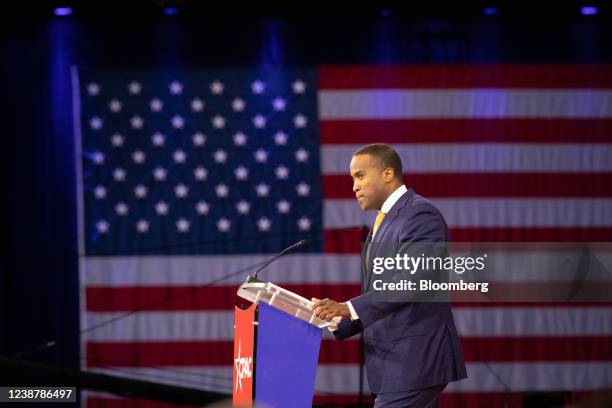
<point x="412" y="349"/>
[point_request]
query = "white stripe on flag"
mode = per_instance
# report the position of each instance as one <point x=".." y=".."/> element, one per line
<point x="344" y="378"/>
<point x="470" y="322"/>
<point x="162" y="326"/>
<point x="331" y="378"/>
<point x="521" y="376"/>
<point x="473" y="103"/>
<point x="483" y="158"/>
<point x="530" y="321"/>
<point x="490" y="212"/>
<point x="218" y="379"/>
<point x="202" y="270"/>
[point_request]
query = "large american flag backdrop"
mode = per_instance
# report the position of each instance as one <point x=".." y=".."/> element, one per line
<point x="190" y="179"/>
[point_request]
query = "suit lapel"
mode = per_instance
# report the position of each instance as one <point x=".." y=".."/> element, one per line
<point x="378" y="238"/>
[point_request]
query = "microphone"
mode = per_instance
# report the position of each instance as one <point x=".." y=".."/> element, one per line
<point x="253" y="277"/>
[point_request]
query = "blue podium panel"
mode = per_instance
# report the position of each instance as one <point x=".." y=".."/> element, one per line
<point x="286" y="359"/>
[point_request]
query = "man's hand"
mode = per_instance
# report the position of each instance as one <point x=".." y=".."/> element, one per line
<point x="327" y="309"/>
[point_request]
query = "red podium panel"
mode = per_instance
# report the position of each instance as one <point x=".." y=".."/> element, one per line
<point x="243" y="356"/>
<point x="276" y="348"/>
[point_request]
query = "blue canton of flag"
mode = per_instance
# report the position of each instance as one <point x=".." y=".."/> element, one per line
<point x="203" y="161"/>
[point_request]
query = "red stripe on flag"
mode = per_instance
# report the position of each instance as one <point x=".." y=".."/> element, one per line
<point x="194" y="298"/>
<point x="489" y="185"/>
<point x="475" y="399"/>
<point x="538" y="291"/>
<point x="223" y="298"/>
<point x="566" y="305"/>
<point x="159" y="354"/>
<point x="220" y="353"/>
<point x="522" y="234"/>
<point x="110" y="402"/>
<point x="496" y="349"/>
<point x="465" y="76"/>
<point x="516" y="399"/>
<point x="448" y="399"/>
<point x="202" y="353"/>
<point x="454" y="400"/>
<point x="341" y="399"/>
<point x="507" y="349"/>
<point x="195" y="353"/>
<point x="482" y="400"/>
<point x="347" y="241"/>
<point x="466" y="131"/>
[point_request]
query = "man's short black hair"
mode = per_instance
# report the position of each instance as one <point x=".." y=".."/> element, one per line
<point x="386" y="156"/>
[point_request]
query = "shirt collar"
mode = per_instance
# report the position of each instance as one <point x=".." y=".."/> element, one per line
<point x="392" y="199"/>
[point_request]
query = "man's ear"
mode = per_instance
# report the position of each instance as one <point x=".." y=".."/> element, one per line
<point x="389" y="175"/>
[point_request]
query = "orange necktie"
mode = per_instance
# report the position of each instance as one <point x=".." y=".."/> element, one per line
<point x="379" y="220"/>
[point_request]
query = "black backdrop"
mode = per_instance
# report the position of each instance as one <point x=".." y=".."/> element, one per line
<point x="39" y="298"/>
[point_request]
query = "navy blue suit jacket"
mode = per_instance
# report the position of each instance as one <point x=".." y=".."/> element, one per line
<point x="407" y="345"/>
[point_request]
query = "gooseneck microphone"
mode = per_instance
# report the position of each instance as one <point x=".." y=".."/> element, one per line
<point x="253" y="277"/>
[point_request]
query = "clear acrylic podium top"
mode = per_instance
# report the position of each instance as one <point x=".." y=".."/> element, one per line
<point x="255" y="291"/>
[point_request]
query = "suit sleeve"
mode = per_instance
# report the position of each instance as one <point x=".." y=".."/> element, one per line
<point x="348" y="328"/>
<point x="423" y="225"/>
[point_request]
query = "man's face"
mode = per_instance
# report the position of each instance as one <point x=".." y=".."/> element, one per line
<point x="369" y="183"/>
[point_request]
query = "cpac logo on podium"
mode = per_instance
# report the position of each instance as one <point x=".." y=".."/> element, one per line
<point x="243" y="367"/>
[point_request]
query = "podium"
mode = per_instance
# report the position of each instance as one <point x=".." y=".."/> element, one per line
<point x="276" y="348"/>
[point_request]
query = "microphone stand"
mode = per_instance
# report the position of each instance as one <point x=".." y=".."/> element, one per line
<point x="252" y="278"/>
